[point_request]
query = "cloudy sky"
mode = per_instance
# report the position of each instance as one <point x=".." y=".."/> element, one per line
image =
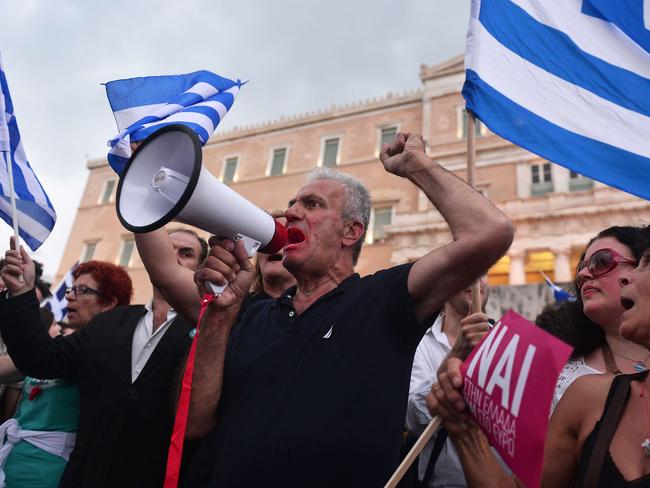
<point x="298" y="55"/>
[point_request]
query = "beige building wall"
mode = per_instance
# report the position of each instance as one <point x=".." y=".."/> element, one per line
<point x="554" y="219"/>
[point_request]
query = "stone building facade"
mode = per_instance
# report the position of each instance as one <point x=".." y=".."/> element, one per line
<point x="555" y="211"/>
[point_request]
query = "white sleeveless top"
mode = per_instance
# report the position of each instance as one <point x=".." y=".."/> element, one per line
<point x="573" y="369"/>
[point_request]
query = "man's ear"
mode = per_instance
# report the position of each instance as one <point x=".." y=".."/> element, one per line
<point x="352" y="232"/>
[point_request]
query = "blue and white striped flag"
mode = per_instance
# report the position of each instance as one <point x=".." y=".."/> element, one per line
<point x="141" y="106"/>
<point x="57" y="303"/>
<point x="36" y="215"/>
<point x="568" y="80"/>
<point x="560" y="294"/>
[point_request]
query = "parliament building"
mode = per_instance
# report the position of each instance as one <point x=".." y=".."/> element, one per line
<point x="555" y="211"/>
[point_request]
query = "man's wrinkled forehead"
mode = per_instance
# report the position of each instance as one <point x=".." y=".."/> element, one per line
<point x="326" y="189"/>
<point x="185" y="240"/>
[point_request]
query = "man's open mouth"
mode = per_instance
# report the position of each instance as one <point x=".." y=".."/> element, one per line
<point x="295" y="235"/>
<point x="627" y="303"/>
<point x="275" y="257"/>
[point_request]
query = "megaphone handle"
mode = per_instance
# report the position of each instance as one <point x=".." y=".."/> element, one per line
<point x="251" y="246"/>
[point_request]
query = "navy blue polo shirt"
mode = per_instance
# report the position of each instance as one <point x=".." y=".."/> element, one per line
<point x="316" y="399"/>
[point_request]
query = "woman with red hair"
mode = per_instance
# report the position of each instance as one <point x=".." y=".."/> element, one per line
<point x="37" y="442"/>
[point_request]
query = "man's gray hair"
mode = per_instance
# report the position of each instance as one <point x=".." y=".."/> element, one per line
<point x="356" y="202"/>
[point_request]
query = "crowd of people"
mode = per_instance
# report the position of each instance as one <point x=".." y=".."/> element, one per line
<point x="305" y="373"/>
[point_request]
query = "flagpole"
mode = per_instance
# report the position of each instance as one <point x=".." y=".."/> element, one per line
<point x="6" y="156"/>
<point x="471" y="180"/>
<point x="476" y="307"/>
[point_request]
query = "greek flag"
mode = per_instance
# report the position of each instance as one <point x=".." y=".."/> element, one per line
<point x="568" y="80"/>
<point x="560" y="294"/>
<point x="35" y="213"/>
<point x="141" y="106"/>
<point x="57" y="303"/>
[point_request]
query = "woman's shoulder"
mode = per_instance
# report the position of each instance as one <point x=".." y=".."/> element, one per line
<point x="590" y="386"/>
<point x="574" y="368"/>
<point x="584" y="399"/>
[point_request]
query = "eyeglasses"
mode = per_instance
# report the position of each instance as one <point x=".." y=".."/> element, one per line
<point x="81" y="290"/>
<point x="600" y="263"/>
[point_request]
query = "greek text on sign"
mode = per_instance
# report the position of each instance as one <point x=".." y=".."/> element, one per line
<point x="509" y="381"/>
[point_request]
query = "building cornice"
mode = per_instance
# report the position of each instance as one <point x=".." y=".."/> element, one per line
<point x="562" y="206"/>
<point x="390" y="100"/>
<point x="452" y="66"/>
<point x="96" y="163"/>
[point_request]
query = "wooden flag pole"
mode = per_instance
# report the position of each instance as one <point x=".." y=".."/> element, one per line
<point x="12" y="196"/>
<point x="414" y="452"/>
<point x="476" y="307"/>
<point x="471" y="180"/>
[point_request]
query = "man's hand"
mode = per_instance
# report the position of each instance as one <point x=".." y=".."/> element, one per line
<point x="446" y="399"/>
<point x="472" y="329"/>
<point x="405" y="155"/>
<point x="228" y="263"/>
<point x="18" y="265"/>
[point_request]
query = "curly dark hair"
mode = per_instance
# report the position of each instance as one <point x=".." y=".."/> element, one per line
<point x="113" y="281"/>
<point x="578" y="330"/>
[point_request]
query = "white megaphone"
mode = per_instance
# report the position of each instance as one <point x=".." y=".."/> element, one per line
<point x="164" y="180"/>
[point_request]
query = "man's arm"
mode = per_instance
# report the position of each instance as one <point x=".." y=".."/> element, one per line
<point x="482" y="234"/>
<point x="175" y="282"/>
<point x="30" y="347"/>
<point x="228" y="262"/>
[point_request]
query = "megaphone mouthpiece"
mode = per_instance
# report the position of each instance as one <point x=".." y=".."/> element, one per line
<point x="278" y="241"/>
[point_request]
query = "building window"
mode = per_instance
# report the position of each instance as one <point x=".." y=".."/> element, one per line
<point x="479" y="128"/>
<point x="541" y="179"/>
<point x="88" y="251"/>
<point x="277" y="162"/>
<point x="331" y="152"/>
<point x="230" y="170"/>
<point x="126" y="253"/>
<point x="379" y="220"/>
<point x="387" y="136"/>
<point x="538" y="262"/>
<point x="578" y="182"/>
<point x="108" y="192"/>
<point x="499" y="273"/>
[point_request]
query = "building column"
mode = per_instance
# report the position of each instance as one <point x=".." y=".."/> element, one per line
<point x="562" y="264"/>
<point x="560" y="176"/>
<point x="517" y="267"/>
<point x="523" y="180"/>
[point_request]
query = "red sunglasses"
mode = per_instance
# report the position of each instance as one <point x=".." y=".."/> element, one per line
<point x="600" y="263"/>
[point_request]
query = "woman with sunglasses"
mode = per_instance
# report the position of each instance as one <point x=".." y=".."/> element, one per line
<point x="580" y="451"/>
<point x="593" y="326"/>
<point x="49" y="408"/>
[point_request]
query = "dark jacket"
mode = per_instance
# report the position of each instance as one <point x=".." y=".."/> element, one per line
<point x="124" y="428"/>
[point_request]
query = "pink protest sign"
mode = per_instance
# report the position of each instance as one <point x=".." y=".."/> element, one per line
<point x="508" y="384"/>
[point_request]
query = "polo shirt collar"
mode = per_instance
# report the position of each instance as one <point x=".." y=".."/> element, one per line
<point x="287" y="296"/>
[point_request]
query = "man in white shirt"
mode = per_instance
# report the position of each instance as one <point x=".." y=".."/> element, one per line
<point x="190" y="251"/>
<point x="437" y="342"/>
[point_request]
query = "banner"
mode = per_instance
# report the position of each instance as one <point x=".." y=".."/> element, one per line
<point x="509" y="380"/>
